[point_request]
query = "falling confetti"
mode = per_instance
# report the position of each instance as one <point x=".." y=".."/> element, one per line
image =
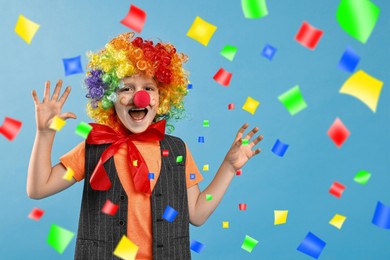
<point x="126" y="249"/>
<point x="251" y="105"/>
<point x="308" y="35"/>
<point x="293" y="100"/>
<point x="135" y="19"/>
<point x="338" y="132"/>
<point x="201" y="31"/>
<point x="26" y="28"/>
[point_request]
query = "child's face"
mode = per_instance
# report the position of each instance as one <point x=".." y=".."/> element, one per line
<point x="136" y="119"/>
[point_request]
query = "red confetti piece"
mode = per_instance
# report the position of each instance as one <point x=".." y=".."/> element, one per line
<point x="10" y="128"/>
<point x="238" y="172"/>
<point x="223" y="77"/>
<point x="165" y="152"/>
<point x="308" y="35"/>
<point x="336" y="189"/>
<point x="110" y="208"/>
<point x="36" y="214"/>
<point x="242" y="206"/>
<point x="338" y="132"/>
<point x="135" y="19"/>
<point x="231" y="106"/>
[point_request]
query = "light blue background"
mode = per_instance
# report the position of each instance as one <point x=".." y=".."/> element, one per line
<point x="298" y="182"/>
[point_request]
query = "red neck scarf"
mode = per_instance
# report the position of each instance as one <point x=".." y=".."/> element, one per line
<point x="102" y="134"/>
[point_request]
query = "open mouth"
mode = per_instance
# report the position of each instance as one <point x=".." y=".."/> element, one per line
<point x="138" y="113"/>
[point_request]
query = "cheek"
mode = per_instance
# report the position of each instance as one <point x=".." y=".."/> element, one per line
<point x="154" y="99"/>
<point x="123" y="101"/>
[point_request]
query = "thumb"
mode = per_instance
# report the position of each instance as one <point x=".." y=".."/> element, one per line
<point x="67" y="115"/>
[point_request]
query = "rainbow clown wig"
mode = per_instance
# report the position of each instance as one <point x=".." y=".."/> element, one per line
<point x="125" y="56"/>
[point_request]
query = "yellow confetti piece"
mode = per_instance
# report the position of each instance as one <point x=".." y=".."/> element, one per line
<point x="337" y="221"/>
<point x="206" y="167"/>
<point x="57" y="123"/>
<point x="363" y="87"/>
<point x="68" y="174"/>
<point x="135" y="163"/>
<point x="126" y="249"/>
<point x="251" y="105"/>
<point x="280" y="216"/>
<point x="201" y="31"/>
<point x="26" y="28"/>
<point x="225" y="224"/>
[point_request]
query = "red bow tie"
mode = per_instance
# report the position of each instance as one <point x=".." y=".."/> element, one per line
<point x="102" y="134"/>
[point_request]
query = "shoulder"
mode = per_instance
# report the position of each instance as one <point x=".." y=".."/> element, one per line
<point x="173" y="140"/>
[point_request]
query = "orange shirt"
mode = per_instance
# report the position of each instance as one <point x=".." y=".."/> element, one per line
<point x="139" y="217"/>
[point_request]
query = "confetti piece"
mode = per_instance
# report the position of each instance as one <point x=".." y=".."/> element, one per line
<point x="36" y="214"/>
<point x="279" y="148"/>
<point x="312" y="245"/>
<point x="229" y="52"/>
<point x="151" y="176"/>
<point x="10" y="128"/>
<point x="363" y="87"/>
<point x="349" y="60"/>
<point x="357" y="18"/>
<point x="308" y="35"/>
<point x="83" y="129"/>
<point x="196" y="246"/>
<point x="179" y="159"/>
<point x="230" y="106"/>
<point x="362" y="177"/>
<point x="293" y="101"/>
<point x="72" y="66"/>
<point x="192" y="176"/>
<point x="337" y="221"/>
<point x="189" y="86"/>
<point x="337" y="189"/>
<point x="169" y="214"/>
<point x="201" y="31"/>
<point x="338" y="132"/>
<point x="165" y="152"/>
<point x="206" y="167"/>
<point x="59" y="238"/>
<point x="223" y="77"/>
<point x="68" y="174"/>
<point x="251" y="105"/>
<point x="57" y="123"/>
<point x="249" y="243"/>
<point x="238" y="172"/>
<point x="26" y="28"/>
<point x="253" y="9"/>
<point x="135" y="163"/>
<point x="209" y="197"/>
<point x="126" y="249"/>
<point x="280" y="217"/>
<point x="225" y="224"/>
<point x="110" y="208"/>
<point x="206" y="123"/>
<point x="269" y="51"/>
<point x="245" y="141"/>
<point x="135" y="19"/>
<point x="201" y="139"/>
<point x="381" y="216"/>
<point x="242" y="206"/>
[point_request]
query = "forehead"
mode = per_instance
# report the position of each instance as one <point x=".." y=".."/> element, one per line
<point x="139" y="79"/>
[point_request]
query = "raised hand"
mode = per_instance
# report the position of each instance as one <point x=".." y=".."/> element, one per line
<point x="46" y="110"/>
<point x="239" y="154"/>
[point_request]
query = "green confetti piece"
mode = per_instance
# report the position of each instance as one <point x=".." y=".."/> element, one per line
<point x="254" y="8"/>
<point x="59" y="238"/>
<point x="357" y="18"/>
<point x="179" y="159"/>
<point x="83" y="129"/>
<point x="209" y="197"/>
<point x="293" y="100"/>
<point x="206" y="123"/>
<point x="249" y="243"/>
<point x="362" y="177"/>
<point x="229" y="52"/>
<point x="245" y="141"/>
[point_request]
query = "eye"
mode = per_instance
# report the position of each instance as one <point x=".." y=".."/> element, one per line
<point x="150" y="88"/>
<point x="126" y="89"/>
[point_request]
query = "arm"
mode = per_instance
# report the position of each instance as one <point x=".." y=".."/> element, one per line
<point x="237" y="156"/>
<point x="44" y="180"/>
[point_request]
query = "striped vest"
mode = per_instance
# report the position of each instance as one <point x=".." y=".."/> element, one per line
<point x="99" y="234"/>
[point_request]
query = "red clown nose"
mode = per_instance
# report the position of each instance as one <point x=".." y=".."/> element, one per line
<point x="141" y="99"/>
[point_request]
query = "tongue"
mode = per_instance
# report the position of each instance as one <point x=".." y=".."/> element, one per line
<point x="138" y="115"/>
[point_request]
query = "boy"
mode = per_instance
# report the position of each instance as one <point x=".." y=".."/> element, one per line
<point x="133" y="88"/>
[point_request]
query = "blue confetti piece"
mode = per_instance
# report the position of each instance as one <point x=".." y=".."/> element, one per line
<point x="151" y="176"/>
<point x="197" y="246"/>
<point x="189" y="86"/>
<point x="349" y="60"/>
<point x="169" y="214"/>
<point x="312" y="245"/>
<point x="381" y="216"/>
<point x="72" y="66"/>
<point x="192" y="176"/>
<point x="279" y="148"/>
<point x="269" y="51"/>
<point x="201" y="139"/>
